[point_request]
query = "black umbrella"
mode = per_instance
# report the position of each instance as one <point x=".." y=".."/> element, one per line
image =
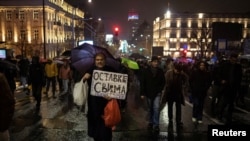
<point x="66" y="53"/>
<point x="137" y="56"/>
<point x="82" y="57"/>
<point x="7" y="65"/>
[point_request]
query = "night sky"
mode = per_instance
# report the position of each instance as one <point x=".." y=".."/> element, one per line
<point x="115" y="12"/>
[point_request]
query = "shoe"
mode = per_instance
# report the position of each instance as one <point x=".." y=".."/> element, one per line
<point x="194" y="119"/>
<point x="200" y="121"/>
<point x="150" y="126"/>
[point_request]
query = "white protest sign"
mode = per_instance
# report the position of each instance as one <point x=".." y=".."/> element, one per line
<point x="109" y="84"/>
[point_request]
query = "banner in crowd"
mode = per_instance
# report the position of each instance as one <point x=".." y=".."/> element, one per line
<point x="109" y="84"/>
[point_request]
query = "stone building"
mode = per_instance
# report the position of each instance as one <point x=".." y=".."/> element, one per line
<point x="193" y="34"/>
<point x="45" y="26"/>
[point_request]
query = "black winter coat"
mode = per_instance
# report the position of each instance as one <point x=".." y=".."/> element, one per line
<point x="37" y="74"/>
<point x="151" y="85"/>
<point x="7" y="104"/>
<point x="96" y="105"/>
<point x="200" y="81"/>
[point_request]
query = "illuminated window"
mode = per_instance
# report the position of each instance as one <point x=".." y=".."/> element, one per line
<point x="8" y="15"/>
<point x="36" y="34"/>
<point x="184" y="24"/>
<point x="23" y="36"/>
<point x="9" y="35"/>
<point x="36" y="15"/>
<point x="21" y="15"/>
<point x="194" y="25"/>
<point x="173" y="24"/>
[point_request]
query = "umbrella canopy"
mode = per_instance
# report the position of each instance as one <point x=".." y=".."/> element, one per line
<point x="66" y="53"/>
<point x="131" y="64"/>
<point x="82" y="57"/>
<point x="4" y="64"/>
<point x="58" y="61"/>
<point x="137" y="56"/>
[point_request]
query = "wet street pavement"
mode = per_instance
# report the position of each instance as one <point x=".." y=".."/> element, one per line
<point x="60" y="120"/>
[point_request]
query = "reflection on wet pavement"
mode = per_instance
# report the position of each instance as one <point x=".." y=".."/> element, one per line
<point x="60" y="120"/>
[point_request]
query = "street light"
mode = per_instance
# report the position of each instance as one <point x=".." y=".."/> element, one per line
<point x="44" y="32"/>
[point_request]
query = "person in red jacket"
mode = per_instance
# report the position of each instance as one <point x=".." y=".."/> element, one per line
<point x="7" y="108"/>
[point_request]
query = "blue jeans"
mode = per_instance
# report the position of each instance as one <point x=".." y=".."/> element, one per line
<point x="198" y="104"/>
<point x="154" y="110"/>
<point x="65" y="85"/>
<point x="23" y="80"/>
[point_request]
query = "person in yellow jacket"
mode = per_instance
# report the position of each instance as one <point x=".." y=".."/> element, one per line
<point x="51" y="72"/>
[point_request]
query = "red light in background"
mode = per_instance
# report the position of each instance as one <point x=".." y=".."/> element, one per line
<point x="116" y="29"/>
<point x="184" y="53"/>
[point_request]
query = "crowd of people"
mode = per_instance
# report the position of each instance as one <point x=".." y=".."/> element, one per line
<point x="159" y="84"/>
<point x="33" y="74"/>
<point x="227" y="79"/>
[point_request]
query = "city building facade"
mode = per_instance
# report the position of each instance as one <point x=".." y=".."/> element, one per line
<point x="140" y="34"/>
<point x="191" y="34"/>
<point x="47" y="26"/>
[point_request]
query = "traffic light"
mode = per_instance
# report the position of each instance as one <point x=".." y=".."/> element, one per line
<point x="116" y="31"/>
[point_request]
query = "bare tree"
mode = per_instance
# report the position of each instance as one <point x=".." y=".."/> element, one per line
<point x="201" y="37"/>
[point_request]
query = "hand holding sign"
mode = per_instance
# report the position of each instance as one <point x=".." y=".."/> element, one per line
<point x="109" y="84"/>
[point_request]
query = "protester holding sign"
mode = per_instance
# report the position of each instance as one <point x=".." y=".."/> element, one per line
<point x="97" y="103"/>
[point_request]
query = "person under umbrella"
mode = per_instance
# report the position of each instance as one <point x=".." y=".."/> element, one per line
<point x="96" y="104"/>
